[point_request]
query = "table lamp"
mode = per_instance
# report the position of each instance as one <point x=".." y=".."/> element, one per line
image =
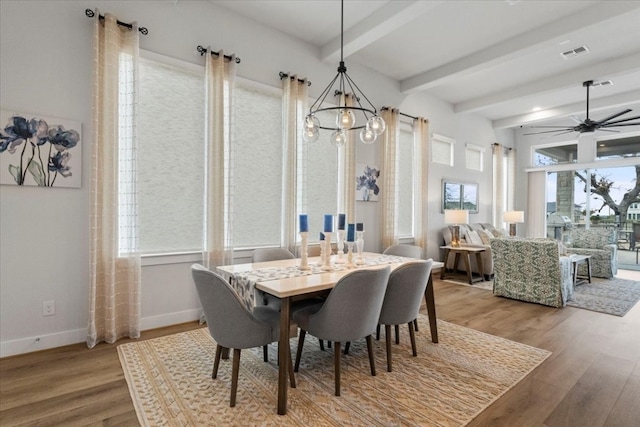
<point x="456" y="217"/>
<point x="512" y="218"/>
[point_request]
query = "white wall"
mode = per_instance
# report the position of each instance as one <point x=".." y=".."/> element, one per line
<point x="46" y="69"/>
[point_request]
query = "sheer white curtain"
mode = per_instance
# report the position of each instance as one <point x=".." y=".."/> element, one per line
<point x="499" y="185"/>
<point x="219" y="82"/>
<point x="115" y="261"/>
<point x="348" y="203"/>
<point x="421" y="180"/>
<point x="389" y="179"/>
<point x="536" y="204"/>
<point x="294" y="105"/>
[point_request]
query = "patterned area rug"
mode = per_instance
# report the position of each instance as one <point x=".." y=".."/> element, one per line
<point x="611" y="296"/>
<point x="486" y="285"/>
<point x="448" y="384"/>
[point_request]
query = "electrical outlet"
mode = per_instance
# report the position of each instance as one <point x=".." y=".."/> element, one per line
<point x="48" y="308"/>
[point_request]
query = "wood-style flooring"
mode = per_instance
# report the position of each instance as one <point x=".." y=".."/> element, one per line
<point x="591" y="379"/>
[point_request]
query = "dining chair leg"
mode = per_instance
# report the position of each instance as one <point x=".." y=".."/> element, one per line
<point x="321" y="345"/>
<point x="329" y="344"/>
<point x="216" y="361"/>
<point x="378" y="333"/>
<point x="336" y="367"/>
<point x="299" y="351"/>
<point x="265" y="352"/>
<point x="415" y="324"/>
<point x="234" y="376"/>
<point x="292" y="378"/>
<point x="412" y="334"/>
<point x="347" y="346"/>
<point x="225" y="353"/>
<point x="387" y="336"/>
<point x="372" y="360"/>
<point x="397" y="328"/>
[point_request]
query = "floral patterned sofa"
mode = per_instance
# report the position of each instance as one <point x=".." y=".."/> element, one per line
<point x="600" y="243"/>
<point x="531" y="270"/>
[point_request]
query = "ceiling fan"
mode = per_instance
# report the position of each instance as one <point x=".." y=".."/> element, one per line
<point x="587" y="125"/>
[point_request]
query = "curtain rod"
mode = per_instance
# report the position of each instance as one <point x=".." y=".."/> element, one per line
<point x="90" y="13"/>
<point x="203" y="50"/>
<point x="495" y="143"/>
<point x="402" y="114"/>
<point x="284" y="75"/>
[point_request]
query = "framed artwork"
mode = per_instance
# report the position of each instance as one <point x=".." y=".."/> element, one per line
<point x="40" y="151"/>
<point x="459" y="195"/>
<point x="367" y="189"/>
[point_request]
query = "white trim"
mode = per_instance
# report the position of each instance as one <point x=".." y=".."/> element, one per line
<point x="600" y="164"/>
<point x="79" y="336"/>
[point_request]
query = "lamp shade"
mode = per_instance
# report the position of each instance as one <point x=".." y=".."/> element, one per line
<point x="513" y="217"/>
<point x="456" y="216"/>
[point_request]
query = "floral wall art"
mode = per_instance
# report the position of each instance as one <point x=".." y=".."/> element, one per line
<point x="40" y="151"/>
<point x="367" y="178"/>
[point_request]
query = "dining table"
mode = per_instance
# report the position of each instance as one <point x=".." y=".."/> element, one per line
<point x="285" y="280"/>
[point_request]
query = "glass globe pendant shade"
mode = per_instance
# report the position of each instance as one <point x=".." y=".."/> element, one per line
<point x="367" y="136"/>
<point x="345" y="119"/>
<point x="339" y="138"/>
<point x="311" y="134"/>
<point x="376" y="125"/>
<point x="311" y="122"/>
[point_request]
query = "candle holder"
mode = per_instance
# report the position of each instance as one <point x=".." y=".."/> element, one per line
<point x="360" y="247"/>
<point x="340" y="242"/>
<point x="304" y="237"/>
<point x="326" y="258"/>
<point x="350" y="263"/>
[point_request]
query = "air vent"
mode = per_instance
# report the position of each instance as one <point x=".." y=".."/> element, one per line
<point x="603" y="83"/>
<point x="575" y="52"/>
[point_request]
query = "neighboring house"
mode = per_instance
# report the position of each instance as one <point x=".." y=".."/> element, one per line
<point x="633" y="213"/>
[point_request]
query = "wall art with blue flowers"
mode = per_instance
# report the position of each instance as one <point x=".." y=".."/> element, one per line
<point x="367" y="183"/>
<point x="40" y="151"/>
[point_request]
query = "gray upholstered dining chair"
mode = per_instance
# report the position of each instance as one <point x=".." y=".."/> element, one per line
<point x="350" y="312"/>
<point x="409" y="251"/>
<point x="402" y="300"/>
<point x="232" y="325"/>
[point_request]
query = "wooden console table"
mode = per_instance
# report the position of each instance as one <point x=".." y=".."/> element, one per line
<point x="466" y="252"/>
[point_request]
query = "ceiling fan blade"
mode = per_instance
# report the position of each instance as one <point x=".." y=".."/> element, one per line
<point x="613" y="116"/>
<point x="542" y="127"/>
<point x="622" y="120"/>
<point x="608" y="130"/>
<point x="607" y="125"/>
<point x="576" y="119"/>
<point x="549" y="131"/>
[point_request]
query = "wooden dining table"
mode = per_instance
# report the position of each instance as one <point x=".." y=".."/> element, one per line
<point x="284" y="280"/>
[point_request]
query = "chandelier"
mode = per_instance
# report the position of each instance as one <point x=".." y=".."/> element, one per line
<point x="341" y="86"/>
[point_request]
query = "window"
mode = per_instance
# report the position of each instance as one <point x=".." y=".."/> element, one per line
<point x="474" y="157"/>
<point x="404" y="170"/>
<point x="257" y="138"/>
<point x="442" y="149"/>
<point x="555" y="154"/>
<point x="170" y="157"/>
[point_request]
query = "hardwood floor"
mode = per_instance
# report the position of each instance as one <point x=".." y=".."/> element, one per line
<point x="591" y="379"/>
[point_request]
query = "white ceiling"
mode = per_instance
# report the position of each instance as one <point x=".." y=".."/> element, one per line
<point x="489" y="57"/>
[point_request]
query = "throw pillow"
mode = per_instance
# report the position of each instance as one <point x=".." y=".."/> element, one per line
<point x="485" y="236"/>
<point x="473" y="237"/>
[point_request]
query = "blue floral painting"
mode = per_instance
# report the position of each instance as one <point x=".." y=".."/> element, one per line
<point x="39" y="151"/>
<point x="367" y="178"/>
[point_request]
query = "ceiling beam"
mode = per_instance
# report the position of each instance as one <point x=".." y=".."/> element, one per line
<point x="383" y="21"/>
<point x="515" y="47"/>
<point x="561" y="81"/>
<point x="607" y="102"/>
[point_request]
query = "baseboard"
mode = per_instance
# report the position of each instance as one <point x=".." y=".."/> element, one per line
<point x="59" y="339"/>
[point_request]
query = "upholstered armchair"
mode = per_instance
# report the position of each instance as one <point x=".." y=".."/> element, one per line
<point x="531" y="270"/>
<point x="600" y="243"/>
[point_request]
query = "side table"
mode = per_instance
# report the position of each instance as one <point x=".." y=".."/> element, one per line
<point x="576" y="260"/>
<point x="466" y="252"/>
